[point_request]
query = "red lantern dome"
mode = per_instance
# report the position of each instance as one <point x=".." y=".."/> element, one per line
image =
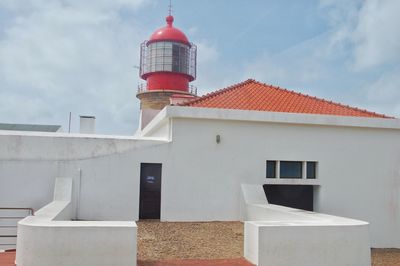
<point x="169" y="33"/>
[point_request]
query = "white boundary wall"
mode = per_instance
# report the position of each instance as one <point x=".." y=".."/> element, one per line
<point x="281" y="243"/>
<point x="280" y="236"/>
<point x="49" y="238"/>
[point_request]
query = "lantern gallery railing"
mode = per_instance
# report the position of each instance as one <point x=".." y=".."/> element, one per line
<point x="143" y="88"/>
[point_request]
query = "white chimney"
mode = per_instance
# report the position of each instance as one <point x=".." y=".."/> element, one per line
<point x="87" y="124"/>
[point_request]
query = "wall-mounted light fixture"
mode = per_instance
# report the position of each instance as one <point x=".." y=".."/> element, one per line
<point x="218" y="138"/>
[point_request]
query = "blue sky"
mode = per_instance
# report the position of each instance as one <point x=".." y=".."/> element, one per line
<point x="58" y="56"/>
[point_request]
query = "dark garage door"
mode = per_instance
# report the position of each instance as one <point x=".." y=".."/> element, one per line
<point x="294" y="196"/>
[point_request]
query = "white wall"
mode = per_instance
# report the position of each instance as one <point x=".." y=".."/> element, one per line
<point x="105" y="170"/>
<point x="358" y="169"/>
<point x="50" y="238"/>
<point x="305" y="245"/>
<point x="358" y="166"/>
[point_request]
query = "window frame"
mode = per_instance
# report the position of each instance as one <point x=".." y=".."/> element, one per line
<point x="274" y="169"/>
<point x="303" y="170"/>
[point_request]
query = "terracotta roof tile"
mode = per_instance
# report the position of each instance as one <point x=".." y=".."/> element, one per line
<point x="254" y="95"/>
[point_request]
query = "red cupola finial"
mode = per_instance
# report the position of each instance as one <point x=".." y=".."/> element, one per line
<point x="170" y="20"/>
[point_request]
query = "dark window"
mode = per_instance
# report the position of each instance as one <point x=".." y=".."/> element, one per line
<point x="290" y="169"/>
<point x="300" y="197"/>
<point x="311" y="170"/>
<point x="271" y="169"/>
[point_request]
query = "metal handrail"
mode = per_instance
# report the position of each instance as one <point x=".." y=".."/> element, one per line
<point x="193" y="89"/>
<point x="31" y="212"/>
<point x="142" y="88"/>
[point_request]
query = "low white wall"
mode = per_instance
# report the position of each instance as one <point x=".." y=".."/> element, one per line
<point x="47" y="240"/>
<point x="288" y="244"/>
<point x="251" y="196"/>
<point x="281" y="236"/>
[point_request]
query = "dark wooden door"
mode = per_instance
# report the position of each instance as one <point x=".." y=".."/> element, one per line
<point x="150" y="191"/>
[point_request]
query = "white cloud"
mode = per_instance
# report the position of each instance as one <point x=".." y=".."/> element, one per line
<point x="369" y="29"/>
<point x="193" y="30"/>
<point x="33" y="5"/>
<point x="207" y="53"/>
<point x="71" y="55"/>
<point x="297" y="67"/>
<point x="208" y="67"/>
<point x="377" y="34"/>
<point x="384" y="93"/>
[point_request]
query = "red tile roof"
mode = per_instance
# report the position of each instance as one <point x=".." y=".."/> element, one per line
<point x="253" y="95"/>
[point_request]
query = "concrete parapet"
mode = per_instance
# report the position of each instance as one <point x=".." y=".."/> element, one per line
<point x="49" y="238"/>
<point x="282" y="236"/>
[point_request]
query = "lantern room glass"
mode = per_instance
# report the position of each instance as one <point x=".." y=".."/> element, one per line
<point x="168" y="56"/>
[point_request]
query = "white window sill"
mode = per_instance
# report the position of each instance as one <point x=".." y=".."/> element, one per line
<point x="292" y="181"/>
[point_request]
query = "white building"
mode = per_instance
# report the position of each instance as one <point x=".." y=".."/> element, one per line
<point x="190" y="161"/>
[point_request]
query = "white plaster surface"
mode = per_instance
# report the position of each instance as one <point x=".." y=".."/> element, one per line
<point x="281" y="236"/>
<point x="146" y="115"/>
<point x="358" y="164"/>
<point x="308" y="244"/>
<point x="87" y="125"/>
<point x="105" y="170"/>
<point x="49" y="238"/>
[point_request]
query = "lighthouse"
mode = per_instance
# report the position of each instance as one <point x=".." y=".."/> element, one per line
<point x="168" y="65"/>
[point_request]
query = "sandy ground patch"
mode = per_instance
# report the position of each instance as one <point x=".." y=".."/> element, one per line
<point x="385" y="257"/>
<point x="211" y="240"/>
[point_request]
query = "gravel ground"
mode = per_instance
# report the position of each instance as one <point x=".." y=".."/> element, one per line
<point x="385" y="257"/>
<point x="215" y="240"/>
<point x="211" y="240"/>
